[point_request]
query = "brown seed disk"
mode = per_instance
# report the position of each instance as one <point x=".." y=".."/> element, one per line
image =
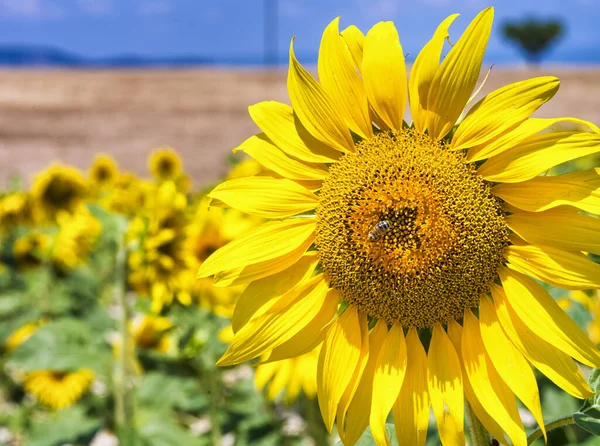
<point x="442" y="247"/>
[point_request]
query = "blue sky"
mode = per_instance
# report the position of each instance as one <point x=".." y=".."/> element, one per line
<point x="227" y="28"/>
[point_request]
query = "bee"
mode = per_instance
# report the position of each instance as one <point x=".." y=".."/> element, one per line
<point x="378" y="230"/>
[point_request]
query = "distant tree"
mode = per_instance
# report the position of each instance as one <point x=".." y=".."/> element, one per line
<point x="533" y="36"/>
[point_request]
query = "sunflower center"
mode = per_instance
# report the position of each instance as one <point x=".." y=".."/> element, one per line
<point x="407" y="231"/>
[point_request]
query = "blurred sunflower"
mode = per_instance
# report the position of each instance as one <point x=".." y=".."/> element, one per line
<point x="411" y="230"/>
<point x="15" y="209"/>
<point x="21" y="334"/>
<point x="58" y="389"/>
<point x="75" y="239"/>
<point x="58" y="188"/>
<point x="214" y="227"/>
<point x="161" y="264"/>
<point x="32" y="249"/>
<point x="127" y="195"/>
<point x="165" y="165"/>
<point x="103" y="172"/>
<point x="290" y="375"/>
<point x="151" y="332"/>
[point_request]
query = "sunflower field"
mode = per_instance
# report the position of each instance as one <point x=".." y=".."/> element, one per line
<point x="354" y="280"/>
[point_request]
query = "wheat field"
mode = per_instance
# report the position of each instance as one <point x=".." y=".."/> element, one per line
<point x="48" y="115"/>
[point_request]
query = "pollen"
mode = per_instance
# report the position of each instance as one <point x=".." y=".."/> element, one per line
<point x="407" y="231"/>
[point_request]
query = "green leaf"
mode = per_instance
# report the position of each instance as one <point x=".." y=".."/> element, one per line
<point x="66" y="426"/>
<point x="594" y="380"/>
<point x="163" y="392"/>
<point x="66" y="344"/>
<point x="588" y="417"/>
<point x="164" y="432"/>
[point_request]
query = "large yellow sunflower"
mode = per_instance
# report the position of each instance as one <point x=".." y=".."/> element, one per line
<point x="58" y="389"/>
<point x="411" y="251"/>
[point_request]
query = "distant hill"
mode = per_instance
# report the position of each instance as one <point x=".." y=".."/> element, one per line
<point x="41" y="56"/>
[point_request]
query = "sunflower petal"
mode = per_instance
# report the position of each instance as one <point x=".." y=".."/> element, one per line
<point x="512" y="137"/>
<point x="341" y="81"/>
<point x="316" y="110"/>
<point x="423" y="71"/>
<point x="312" y="334"/>
<point x="265" y="197"/>
<point x="355" y="383"/>
<point x="411" y="410"/>
<point x="285" y="130"/>
<point x="355" y="40"/>
<point x="493" y="394"/>
<point x="339" y="357"/>
<point x="556" y="365"/>
<point x="510" y="364"/>
<point x="502" y="109"/>
<point x="384" y="74"/>
<point x="455" y="334"/>
<point x="293" y="311"/>
<point x="569" y="270"/>
<point x="445" y="384"/>
<point x="537" y="154"/>
<point x="579" y="189"/>
<point x="561" y="228"/>
<point x="537" y="309"/>
<point x="269" y="241"/>
<point x="387" y="381"/>
<point x="260" y="294"/>
<point x="455" y="80"/>
<point x="269" y="156"/>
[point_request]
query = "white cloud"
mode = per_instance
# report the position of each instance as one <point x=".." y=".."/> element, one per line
<point x="31" y="9"/>
<point x="96" y="7"/>
<point x="154" y="7"/>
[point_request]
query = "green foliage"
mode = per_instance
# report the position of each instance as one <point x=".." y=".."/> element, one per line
<point x="70" y="425"/>
<point x="533" y="37"/>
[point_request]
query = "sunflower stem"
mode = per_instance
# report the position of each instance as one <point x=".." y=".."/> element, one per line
<point x="565" y="421"/>
<point x="123" y="397"/>
<point x="479" y="435"/>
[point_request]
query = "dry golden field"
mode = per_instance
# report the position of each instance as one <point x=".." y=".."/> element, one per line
<point x="72" y="115"/>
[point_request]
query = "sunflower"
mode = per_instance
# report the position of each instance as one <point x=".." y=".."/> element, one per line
<point x="21" y="334"/>
<point x="161" y="264"/>
<point x="15" y="208"/>
<point x="58" y="389"/>
<point x="411" y="252"/>
<point x="75" y="239"/>
<point x="150" y="332"/>
<point x="58" y="188"/>
<point x="291" y="375"/>
<point x="31" y="250"/>
<point x="127" y="195"/>
<point x="103" y="172"/>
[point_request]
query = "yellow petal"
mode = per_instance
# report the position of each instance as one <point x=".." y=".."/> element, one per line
<point x="579" y="189"/>
<point x="261" y="293"/>
<point x="384" y="74"/>
<point x="562" y="228"/>
<point x="512" y="137"/>
<point x="339" y="357"/>
<point x="355" y="40"/>
<point x="387" y="381"/>
<point x="293" y="311"/>
<point x="569" y="270"/>
<point x="271" y="240"/>
<point x="423" y="71"/>
<point x="537" y="154"/>
<point x="542" y="314"/>
<point x="493" y="394"/>
<point x="455" y="334"/>
<point x="445" y="382"/>
<point x="316" y="110"/>
<point x="341" y="81"/>
<point x="502" y="109"/>
<point x="508" y="361"/>
<point x="455" y="80"/>
<point x="265" y="197"/>
<point x="312" y="334"/>
<point x="267" y="154"/>
<point x="283" y="128"/>
<point x="556" y="365"/>
<point x="411" y="410"/>
<point x="357" y="378"/>
<point x="355" y="419"/>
